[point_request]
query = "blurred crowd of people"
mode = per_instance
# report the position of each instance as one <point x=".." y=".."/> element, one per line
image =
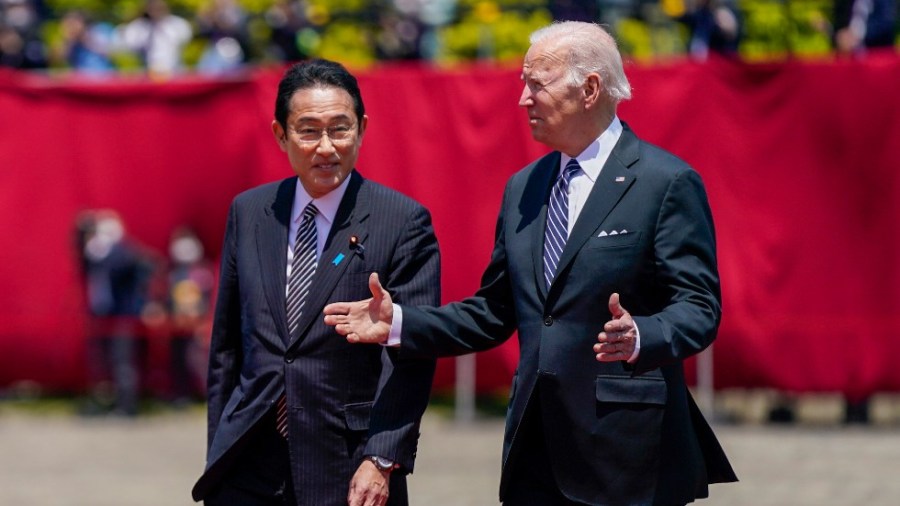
<point x="134" y="294"/>
<point x="166" y="37"/>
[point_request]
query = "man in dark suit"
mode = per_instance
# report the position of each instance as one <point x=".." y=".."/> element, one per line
<point x="599" y="411"/>
<point x="297" y="416"/>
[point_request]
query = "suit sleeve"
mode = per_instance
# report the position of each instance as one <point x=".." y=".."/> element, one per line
<point x="687" y="278"/>
<point x="414" y="278"/>
<point x="225" y="342"/>
<point x="477" y="323"/>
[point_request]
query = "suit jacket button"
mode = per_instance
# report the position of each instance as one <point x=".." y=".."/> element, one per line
<point x="548" y="321"/>
<point x="289" y="359"/>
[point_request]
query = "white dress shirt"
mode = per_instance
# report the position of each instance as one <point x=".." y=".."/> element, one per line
<point x="591" y="160"/>
<point x="327" y="206"/>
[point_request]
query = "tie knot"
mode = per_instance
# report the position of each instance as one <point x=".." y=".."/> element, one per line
<point x="570" y="169"/>
<point x="568" y="173"/>
<point x="310" y="211"/>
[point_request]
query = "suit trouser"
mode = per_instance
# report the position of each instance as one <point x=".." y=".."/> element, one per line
<point x="261" y="474"/>
<point x="532" y="482"/>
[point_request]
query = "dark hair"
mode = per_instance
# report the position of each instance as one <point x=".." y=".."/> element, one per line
<point x="312" y="74"/>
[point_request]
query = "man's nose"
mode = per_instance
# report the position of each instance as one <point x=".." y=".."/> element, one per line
<point x="525" y="98"/>
<point x="326" y="145"/>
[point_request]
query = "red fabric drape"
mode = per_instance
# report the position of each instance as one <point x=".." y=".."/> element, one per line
<point x="799" y="160"/>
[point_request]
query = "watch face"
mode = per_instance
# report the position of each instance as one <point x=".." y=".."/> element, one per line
<point x="382" y="463"/>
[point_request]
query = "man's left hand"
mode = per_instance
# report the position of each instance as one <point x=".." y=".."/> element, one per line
<point x="369" y="486"/>
<point x="619" y="335"/>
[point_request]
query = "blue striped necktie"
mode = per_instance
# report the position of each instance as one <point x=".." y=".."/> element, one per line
<point x="557" y="231"/>
<point x="303" y="266"/>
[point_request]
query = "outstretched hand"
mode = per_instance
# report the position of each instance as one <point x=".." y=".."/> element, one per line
<point x="364" y="321"/>
<point x="617" y="341"/>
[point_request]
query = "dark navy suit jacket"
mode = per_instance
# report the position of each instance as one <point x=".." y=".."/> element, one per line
<point x="617" y="434"/>
<point x="344" y="401"/>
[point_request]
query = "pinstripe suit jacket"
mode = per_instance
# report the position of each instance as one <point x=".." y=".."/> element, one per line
<point x="616" y="434"/>
<point x="344" y="401"/>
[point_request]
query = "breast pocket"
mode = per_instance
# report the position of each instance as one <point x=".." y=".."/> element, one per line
<point x="625" y="240"/>
<point x="614" y="260"/>
<point x="354" y="286"/>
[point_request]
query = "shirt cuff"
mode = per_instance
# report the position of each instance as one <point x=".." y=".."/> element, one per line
<point x="637" y="344"/>
<point x="396" y="326"/>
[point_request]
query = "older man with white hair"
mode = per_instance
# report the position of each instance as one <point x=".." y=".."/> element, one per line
<point x="599" y="412"/>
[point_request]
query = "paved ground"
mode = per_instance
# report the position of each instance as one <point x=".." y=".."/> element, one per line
<point x="72" y="461"/>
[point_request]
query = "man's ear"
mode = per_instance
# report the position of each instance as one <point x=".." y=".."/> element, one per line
<point x="363" y="123"/>
<point x="592" y="89"/>
<point x="280" y="135"/>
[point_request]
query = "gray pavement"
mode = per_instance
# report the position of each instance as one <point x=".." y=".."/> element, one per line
<point x="70" y="461"/>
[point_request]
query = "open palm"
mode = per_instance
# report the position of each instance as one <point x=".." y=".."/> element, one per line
<point x="364" y="321"/>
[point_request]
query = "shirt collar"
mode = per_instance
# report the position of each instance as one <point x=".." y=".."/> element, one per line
<point x="595" y="155"/>
<point x="327" y="204"/>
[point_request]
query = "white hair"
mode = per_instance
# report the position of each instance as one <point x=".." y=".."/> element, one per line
<point x="591" y="49"/>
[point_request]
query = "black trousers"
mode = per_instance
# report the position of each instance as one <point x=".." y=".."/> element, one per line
<point x="261" y="474"/>
<point x="532" y="482"/>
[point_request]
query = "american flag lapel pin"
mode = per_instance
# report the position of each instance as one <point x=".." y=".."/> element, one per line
<point x="620" y="179"/>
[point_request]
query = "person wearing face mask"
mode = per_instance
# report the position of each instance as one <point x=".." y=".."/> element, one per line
<point x="189" y="282"/>
<point x="117" y="272"/>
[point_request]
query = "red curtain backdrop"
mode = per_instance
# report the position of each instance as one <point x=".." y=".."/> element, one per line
<point x="800" y="162"/>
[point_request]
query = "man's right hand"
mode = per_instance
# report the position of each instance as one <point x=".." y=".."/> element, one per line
<point x="365" y="321"/>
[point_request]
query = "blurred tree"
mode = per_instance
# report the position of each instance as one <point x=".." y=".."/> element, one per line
<point x="777" y="29"/>
<point x="362" y="32"/>
<point x="496" y="30"/>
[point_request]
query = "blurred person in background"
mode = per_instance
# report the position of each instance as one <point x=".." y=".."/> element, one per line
<point x="116" y="273"/>
<point x="864" y="24"/>
<point x="85" y="45"/>
<point x="158" y="37"/>
<point x="605" y="264"/>
<point x="399" y="35"/>
<point x="190" y="283"/>
<point x="714" y="27"/>
<point x="21" y="45"/>
<point x="297" y="415"/>
<point x="223" y="25"/>
<point x="576" y="10"/>
<point x="287" y="21"/>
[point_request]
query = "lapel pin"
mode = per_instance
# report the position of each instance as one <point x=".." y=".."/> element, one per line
<point x="356" y="246"/>
<point x="338" y="258"/>
<point x="620" y="179"/>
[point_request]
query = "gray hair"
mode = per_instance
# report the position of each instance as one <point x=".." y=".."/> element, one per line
<point x="591" y="49"/>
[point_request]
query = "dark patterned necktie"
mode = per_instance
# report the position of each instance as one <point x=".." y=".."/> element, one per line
<point x="557" y="231"/>
<point x="303" y="267"/>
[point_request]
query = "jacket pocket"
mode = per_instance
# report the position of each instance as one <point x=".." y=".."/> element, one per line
<point x="623" y="389"/>
<point x="614" y="241"/>
<point x="357" y="415"/>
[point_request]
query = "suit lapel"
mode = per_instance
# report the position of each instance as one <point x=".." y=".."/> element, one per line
<point x="614" y="181"/>
<point x="271" y="241"/>
<point x="336" y="255"/>
<point x="546" y="171"/>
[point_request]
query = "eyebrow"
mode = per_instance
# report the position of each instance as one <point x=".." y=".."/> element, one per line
<point x="317" y="119"/>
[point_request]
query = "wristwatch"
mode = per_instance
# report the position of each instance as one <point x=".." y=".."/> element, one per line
<point x="383" y="464"/>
